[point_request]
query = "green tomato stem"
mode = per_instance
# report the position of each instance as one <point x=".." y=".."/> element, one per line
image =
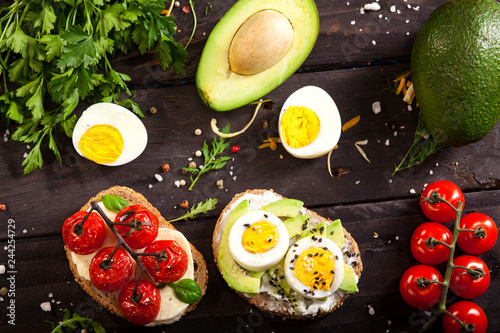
<point x="441" y="307"/>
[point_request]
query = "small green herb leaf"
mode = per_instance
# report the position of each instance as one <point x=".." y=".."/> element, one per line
<point x="186" y="290"/>
<point x="72" y="322"/>
<point x="114" y="203"/>
<point x="201" y="208"/>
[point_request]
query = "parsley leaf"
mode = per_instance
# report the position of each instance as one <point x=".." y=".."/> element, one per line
<point x="54" y="54"/>
<point x="201" y="208"/>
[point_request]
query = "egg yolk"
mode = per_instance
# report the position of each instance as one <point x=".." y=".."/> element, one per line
<point x="315" y="268"/>
<point x="299" y="126"/>
<point x="260" y="237"/>
<point x="101" y="144"/>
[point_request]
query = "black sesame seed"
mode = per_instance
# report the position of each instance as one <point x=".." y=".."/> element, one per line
<point x="332" y="232"/>
<point x="321" y="229"/>
<point x="320" y="240"/>
<point x="316" y="272"/>
<point x="323" y="283"/>
<point x="295" y="244"/>
<point x="337" y="257"/>
<point x="246" y="225"/>
<point x="266" y="216"/>
<point x="310" y="255"/>
<point x="355" y="263"/>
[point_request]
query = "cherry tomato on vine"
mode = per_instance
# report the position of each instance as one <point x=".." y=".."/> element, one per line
<point x="110" y="275"/>
<point x="170" y="265"/>
<point x="420" y="296"/>
<point x="466" y="285"/>
<point x="430" y="254"/>
<point x="145" y="308"/>
<point x="84" y="238"/>
<point x="440" y="211"/>
<point x="145" y="227"/>
<point x="468" y="313"/>
<point x="480" y="241"/>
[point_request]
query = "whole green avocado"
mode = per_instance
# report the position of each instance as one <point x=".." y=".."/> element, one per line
<point x="455" y="66"/>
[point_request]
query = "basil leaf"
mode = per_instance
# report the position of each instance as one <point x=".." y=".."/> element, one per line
<point x="114" y="203"/>
<point x="186" y="290"/>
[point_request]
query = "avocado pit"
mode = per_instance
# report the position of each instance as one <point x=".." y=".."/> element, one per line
<point x="260" y="42"/>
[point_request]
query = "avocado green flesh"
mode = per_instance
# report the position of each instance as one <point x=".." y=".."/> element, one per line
<point x="277" y="274"/>
<point x="284" y="207"/>
<point x="234" y="275"/>
<point x="223" y="90"/>
<point x="295" y="225"/>
<point x="455" y="71"/>
<point x="335" y="233"/>
<point x="349" y="283"/>
<point x="319" y="230"/>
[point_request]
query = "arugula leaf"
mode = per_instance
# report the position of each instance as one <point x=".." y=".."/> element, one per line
<point x="212" y="162"/>
<point x="201" y="208"/>
<point x="71" y="321"/>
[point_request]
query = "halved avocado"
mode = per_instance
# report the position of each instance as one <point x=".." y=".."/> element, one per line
<point x="255" y="47"/>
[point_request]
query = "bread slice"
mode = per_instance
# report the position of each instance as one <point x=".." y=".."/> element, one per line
<point x="266" y="302"/>
<point x="110" y="300"/>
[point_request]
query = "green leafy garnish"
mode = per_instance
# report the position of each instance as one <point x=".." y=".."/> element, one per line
<point x="54" y="54"/>
<point x="201" y="208"/>
<point x="186" y="290"/>
<point x="211" y="160"/>
<point x="114" y="203"/>
<point x="73" y="321"/>
<point x="422" y="147"/>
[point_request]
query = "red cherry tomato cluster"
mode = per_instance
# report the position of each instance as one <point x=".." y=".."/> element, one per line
<point x="112" y="268"/>
<point x="421" y="286"/>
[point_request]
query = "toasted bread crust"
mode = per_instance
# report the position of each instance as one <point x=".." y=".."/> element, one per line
<point x="110" y="300"/>
<point x="264" y="301"/>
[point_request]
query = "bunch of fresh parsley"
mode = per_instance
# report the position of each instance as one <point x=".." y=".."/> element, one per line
<point x="54" y="54"/>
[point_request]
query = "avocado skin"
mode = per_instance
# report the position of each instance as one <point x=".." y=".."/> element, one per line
<point x="455" y="66"/>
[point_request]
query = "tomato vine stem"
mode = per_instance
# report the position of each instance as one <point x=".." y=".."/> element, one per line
<point x="441" y="307"/>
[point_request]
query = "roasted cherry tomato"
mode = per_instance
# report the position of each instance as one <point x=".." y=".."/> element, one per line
<point x="143" y="307"/>
<point x="478" y="241"/>
<point x="144" y="229"/>
<point x="110" y="275"/>
<point x="420" y="248"/>
<point x="86" y="237"/>
<point x="467" y="285"/>
<point x="441" y="212"/>
<point x="467" y="312"/>
<point x="169" y="265"/>
<point x="419" y="296"/>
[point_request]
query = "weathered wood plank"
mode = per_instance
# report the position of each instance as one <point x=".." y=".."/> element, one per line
<point x="42" y="269"/>
<point x="346" y="38"/>
<point x="41" y="200"/>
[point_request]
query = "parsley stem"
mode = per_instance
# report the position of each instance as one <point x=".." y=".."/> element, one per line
<point x="195" y="23"/>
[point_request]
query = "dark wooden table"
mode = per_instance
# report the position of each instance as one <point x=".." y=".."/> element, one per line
<point x="355" y="59"/>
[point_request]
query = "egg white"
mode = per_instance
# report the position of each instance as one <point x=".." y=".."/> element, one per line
<point x="135" y="137"/>
<point x="257" y="261"/>
<point x="321" y="103"/>
<point x="300" y="246"/>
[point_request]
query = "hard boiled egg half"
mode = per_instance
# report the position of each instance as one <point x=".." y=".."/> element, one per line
<point x="309" y="124"/>
<point x="314" y="267"/>
<point x="109" y="134"/>
<point x="258" y="240"/>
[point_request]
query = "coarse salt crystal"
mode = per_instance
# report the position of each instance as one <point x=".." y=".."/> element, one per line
<point x="2" y="269"/>
<point x="410" y="108"/>
<point x="395" y="133"/>
<point x="412" y="191"/>
<point x="374" y="42"/>
<point x="376" y="107"/>
<point x="177" y="183"/>
<point x="353" y="22"/>
<point x="393" y="9"/>
<point x="372" y="6"/>
<point x="431" y="172"/>
<point x="387" y="142"/>
<point x="158" y="177"/>
<point x="150" y="186"/>
<point x="371" y="310"/>
<point x="45" y="306"/>
<point x="51" y="295"/>
<point x="25" y="231"/>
